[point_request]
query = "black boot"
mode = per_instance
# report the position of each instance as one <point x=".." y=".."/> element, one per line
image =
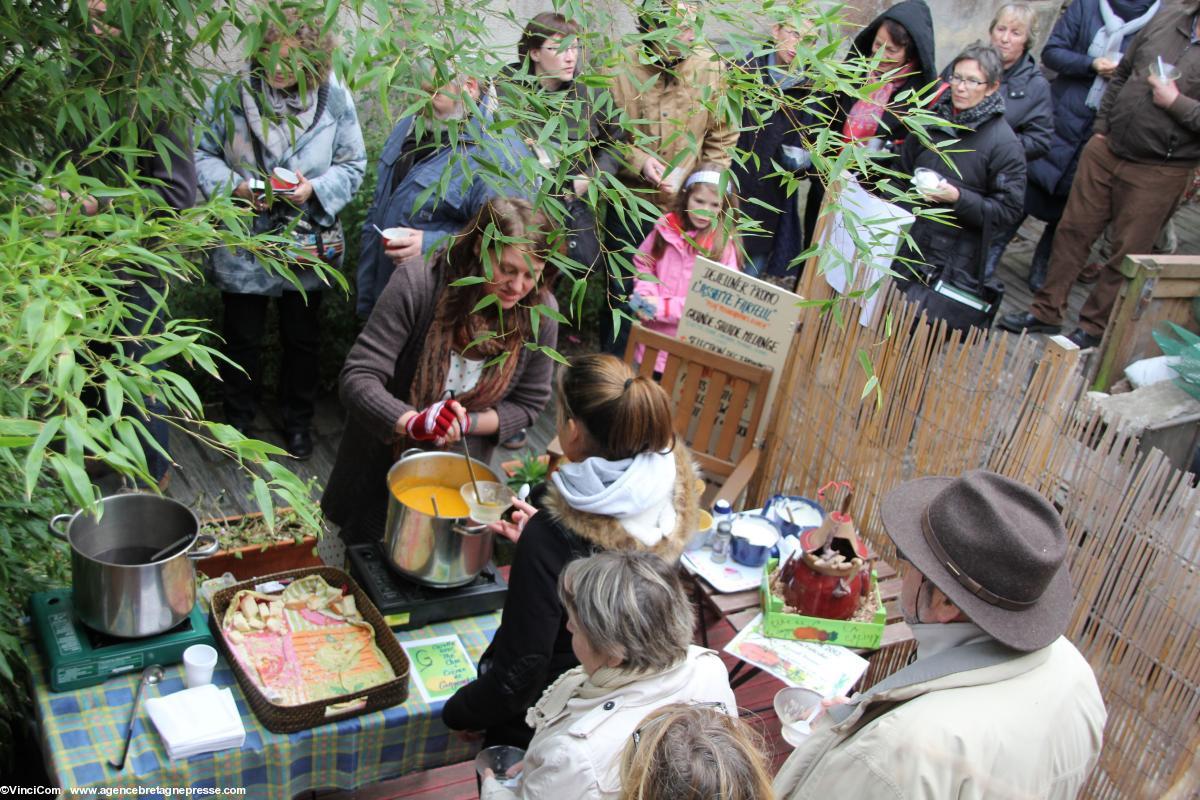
<point x="1040" y="264"/>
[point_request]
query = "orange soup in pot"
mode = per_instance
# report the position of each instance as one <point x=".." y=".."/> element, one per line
<point x="421" y="499"/>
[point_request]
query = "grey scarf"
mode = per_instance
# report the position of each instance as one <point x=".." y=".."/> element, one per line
<point x="289" y="115"/>
<point x="1109" y="39"/>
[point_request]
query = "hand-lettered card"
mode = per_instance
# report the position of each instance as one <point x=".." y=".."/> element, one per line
<point x="439" y="666"/>
<point x="824" y="668"/>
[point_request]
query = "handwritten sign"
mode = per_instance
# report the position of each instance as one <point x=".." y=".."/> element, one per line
<point x="740" y="317"/>
<point x="860" y="244"/>
<point x="440" y="665"/>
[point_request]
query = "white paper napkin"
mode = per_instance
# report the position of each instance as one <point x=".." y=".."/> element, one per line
<point x="198" y="720"/>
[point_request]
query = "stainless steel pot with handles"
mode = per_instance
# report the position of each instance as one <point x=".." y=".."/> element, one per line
<point x="438" y="551"/>
<point x="116" y="588"/>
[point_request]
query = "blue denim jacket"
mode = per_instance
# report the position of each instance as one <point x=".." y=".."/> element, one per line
<point x="480" y="166"/>
<point x="331" y="155"/>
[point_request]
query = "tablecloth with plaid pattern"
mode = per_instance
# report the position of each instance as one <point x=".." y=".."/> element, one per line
<point x="84" y="728"/>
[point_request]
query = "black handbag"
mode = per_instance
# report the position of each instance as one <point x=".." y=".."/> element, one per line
<point x="959" y="305"/>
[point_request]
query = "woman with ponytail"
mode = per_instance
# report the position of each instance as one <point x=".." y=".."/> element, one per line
<point x="629" y="485"/>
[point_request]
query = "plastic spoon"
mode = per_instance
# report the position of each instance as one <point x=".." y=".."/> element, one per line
<point x="150" y="676"/>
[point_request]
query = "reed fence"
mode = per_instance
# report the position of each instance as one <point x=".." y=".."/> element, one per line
<point x="945" y="405"/>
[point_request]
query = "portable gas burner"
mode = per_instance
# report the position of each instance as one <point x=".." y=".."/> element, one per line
<point x="77" y="656"/>
<point x="407" y="605"/>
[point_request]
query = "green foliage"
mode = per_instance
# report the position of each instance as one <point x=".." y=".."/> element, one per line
<point x="33" y="560"/>
<point x="532" y="470"/>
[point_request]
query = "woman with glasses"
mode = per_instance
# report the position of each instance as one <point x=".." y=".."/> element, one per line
<point x="981" y="189"/>
<point x="629" y="485"/>
<point x="284" y="114"/>
<point x="631" y="629"/>
<point x="542" y="86"/>
<point x="899" y="44"/>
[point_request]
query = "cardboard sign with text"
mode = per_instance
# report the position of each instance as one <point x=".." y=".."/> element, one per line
<point x="740" y="317"/>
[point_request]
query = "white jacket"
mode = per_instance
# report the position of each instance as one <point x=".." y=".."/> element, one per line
<point x="1024" y="727"/>
<point x="575" y="753"/>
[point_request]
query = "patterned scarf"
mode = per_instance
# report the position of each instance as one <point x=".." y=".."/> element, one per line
<point x="972" y="117"/>
<point x="447" y="335"/>
<point x="863" y="120"/>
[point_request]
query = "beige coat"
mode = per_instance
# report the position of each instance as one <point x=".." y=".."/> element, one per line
<point x="1029" y="727"/>
<point x="581" y="731"/>
<point x="678" y="113"/>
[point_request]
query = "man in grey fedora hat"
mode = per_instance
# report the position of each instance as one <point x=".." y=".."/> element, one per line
<point x="998" y="704"/>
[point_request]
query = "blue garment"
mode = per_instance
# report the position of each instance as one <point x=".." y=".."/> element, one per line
<point x="330" y="154"/>
<point x="481" y="166"/>
<point x="1066" y="52"/>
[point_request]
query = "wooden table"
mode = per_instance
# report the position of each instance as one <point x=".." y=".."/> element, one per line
<point x="738" y="609"/>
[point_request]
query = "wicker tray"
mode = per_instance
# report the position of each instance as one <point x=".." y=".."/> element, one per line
<point x="289" y="719"/>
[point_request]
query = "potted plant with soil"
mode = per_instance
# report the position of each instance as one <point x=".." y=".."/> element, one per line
<point x="250" y="547"/>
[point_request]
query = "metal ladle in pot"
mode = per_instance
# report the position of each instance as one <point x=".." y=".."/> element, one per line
<point x="470" y="468"/>
<point x="150" y="676"/>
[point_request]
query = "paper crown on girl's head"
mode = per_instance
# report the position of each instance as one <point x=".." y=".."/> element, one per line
<point x="703" y="176"/>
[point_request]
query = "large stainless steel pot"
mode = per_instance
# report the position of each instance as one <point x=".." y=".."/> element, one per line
<point x="435" y="551"/>
<point x="115" y="587"/>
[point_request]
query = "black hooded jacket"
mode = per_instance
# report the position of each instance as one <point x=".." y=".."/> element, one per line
<point x="914" y="15"/>
<point x="989" y="171"/>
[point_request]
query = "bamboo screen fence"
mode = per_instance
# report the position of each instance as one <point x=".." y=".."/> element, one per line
<point x="947" y="405"/>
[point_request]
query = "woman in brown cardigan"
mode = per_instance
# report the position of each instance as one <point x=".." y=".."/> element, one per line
<point x="424" y="342"/>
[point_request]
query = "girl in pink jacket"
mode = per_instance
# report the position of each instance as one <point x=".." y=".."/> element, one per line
<point x="702" y="224"/>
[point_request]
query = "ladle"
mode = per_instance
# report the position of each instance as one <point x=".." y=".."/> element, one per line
<point x="470" y="469"/>
<point x="151" y="675"/>
<point x="171" y="547"/>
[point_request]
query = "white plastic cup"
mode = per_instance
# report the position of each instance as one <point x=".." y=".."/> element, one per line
<point x="1168" y="72"/>
<point x="199" y="660"/>
<point x="493" y="499"/>
<point x="502" y="760"/>
<point x="797" y="708"/>
<point x="672" y="180"/>
<point x="396" y="235"/>
<point x="926" y="180"/>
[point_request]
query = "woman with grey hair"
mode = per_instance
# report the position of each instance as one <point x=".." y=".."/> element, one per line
<point x="982" y="188"/>
<point x="1027" y="104"/>
<point x="631" y="626"/>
